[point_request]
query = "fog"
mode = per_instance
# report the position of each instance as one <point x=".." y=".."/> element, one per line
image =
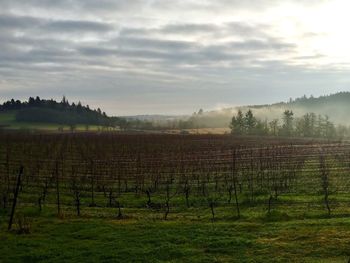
<point x="336" y="107"/>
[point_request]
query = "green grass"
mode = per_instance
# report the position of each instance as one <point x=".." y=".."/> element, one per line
<point x="292" y="232"/>
<point x="188" y="236"/>
<point x="9" y="120"/>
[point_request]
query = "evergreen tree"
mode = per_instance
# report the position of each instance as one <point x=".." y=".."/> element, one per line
<point x="287" y="127"/>
<point x="273" y="127"/>
<point x="237" y="124"/>
<point x="250" y="123"/>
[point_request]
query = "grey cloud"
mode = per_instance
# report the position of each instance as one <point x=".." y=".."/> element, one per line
<point x="117" y="8"/>
<point x="146" y="50"/>
<point x="247" y="29"/>
<point x="258" y="45"/>
<point x="224" y="49"/>
<point x="71" y="6"/>
<point x="131" y="46"/>
<point x="97" y="51"/>
<point x="153" y="43"/>
<point x="310" y="57"/>
<point x="233" y="28"/>
<point x="189" y="28"/>
<point x="71" y="25"/>
<point x="16" y="22"/>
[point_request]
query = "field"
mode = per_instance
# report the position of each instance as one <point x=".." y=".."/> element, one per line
<point x="201" y="131"/>
<point x="8" y="121"/>
<point x="113" y="197"/>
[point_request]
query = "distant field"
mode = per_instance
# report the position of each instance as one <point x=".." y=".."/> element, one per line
<point x="8" y="120"/>
<point x="202" y="131"/>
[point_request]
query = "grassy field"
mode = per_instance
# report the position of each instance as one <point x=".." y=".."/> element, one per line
<point x="201" y="131"/>
<point x="9" y="121"/>
<point x="88" y="177"/>
<point x="140" y="237"/>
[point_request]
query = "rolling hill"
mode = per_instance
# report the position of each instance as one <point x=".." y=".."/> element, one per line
<point x="335" y="106"/>
<point x="44" y="114"/>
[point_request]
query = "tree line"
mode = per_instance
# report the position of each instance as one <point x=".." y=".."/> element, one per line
<point x="308" y="125"/>
<point x="51" y="111"/>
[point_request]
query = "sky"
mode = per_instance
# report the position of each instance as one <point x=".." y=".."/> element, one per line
<point x="133" y="57"/>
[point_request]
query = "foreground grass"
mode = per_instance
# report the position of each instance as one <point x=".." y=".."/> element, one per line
<point x="140" y="238"/>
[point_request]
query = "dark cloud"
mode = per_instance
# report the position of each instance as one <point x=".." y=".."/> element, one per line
<point x="11" y="22"/>
<point x="153" y="43"/>
<point x="184" y="52"/>
<point x="82" y="5"/>
<point x="16" y="22"/>
<point x="77" y="26"/>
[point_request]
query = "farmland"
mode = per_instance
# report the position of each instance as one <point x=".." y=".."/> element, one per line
<point x="8" y="121"/>
<point x="157" y="197"/>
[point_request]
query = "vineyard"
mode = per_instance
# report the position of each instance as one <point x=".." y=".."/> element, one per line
<point x="114" y="175"/>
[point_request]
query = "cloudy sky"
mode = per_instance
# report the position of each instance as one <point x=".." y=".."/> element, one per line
<point x="173" y="56"/>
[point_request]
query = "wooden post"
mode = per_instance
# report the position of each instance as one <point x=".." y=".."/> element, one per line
<point x="234" y="155"/>
<point x="57" y="190"/>
<point x="15" y="197"/>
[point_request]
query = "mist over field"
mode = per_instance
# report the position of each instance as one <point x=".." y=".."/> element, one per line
<point x="335" y="106"/>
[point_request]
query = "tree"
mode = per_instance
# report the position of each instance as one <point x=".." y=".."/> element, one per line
<point x="37" y="101"/>
<point x="306" y="125"/>
<point x="330" y="131"/>
<point x="79" y="107"/>
<point x="250" y="122"/>
<point x="261" y="128"/>
<point x="287" y="127"/>
<point x="273" y="125"/>
<point x="64" y="101"/>
<point x="31" y="101"/>
<point x="237" y="124"/>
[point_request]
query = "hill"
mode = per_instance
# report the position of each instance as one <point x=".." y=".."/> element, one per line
<point x="49" y="114"/>
<point x="335" y="106"/>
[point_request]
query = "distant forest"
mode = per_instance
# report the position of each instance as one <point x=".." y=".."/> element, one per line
<point x="323" y="117"/>
<point x="335" y="107"/>
<point x="309" y="125"/>
<point x="51" y="111"/>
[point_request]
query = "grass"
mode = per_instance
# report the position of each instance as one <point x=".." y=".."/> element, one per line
<point x="298" y="228"/>
<point x="9" y="120"/>
<point x="290" y="233"/>
<point x="188" y="236"/>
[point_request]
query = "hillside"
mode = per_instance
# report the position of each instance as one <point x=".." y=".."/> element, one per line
<point x="336" y="106"/>
<point x="50" y="114"/>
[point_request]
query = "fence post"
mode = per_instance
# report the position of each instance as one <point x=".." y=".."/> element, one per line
<point x="233" y="167"/>
<point x="15" y="197"/>
<point x="57" y="190"/>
